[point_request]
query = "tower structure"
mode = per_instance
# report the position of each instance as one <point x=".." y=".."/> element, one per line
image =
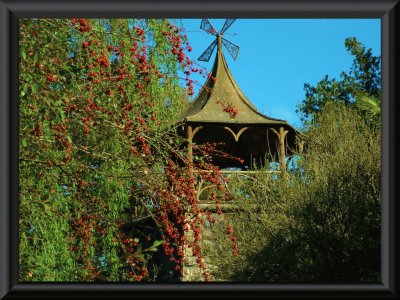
<point x="221" y="113"/>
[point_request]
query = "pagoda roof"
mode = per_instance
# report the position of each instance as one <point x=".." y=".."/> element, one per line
<point x="219" y="90"/>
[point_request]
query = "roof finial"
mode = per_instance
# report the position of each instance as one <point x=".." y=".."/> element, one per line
<point x="232" y="48"/>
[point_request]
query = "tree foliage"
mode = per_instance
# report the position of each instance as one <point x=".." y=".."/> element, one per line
<point x="364" y="77"/>
<point x="102" y="192"/>
<point x="324" y="225"/>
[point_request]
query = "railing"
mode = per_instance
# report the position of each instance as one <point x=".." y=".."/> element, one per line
<point x="201" y="187"/>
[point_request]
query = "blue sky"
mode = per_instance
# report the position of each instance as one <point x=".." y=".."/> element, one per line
<point x="277" y="56"/>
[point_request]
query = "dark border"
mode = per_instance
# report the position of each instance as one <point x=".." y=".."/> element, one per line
<point x="10" y="11"/>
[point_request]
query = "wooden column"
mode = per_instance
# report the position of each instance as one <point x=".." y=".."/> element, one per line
<point x="301" y="146"/>
<point x="281" y="134"/>
<point x="189" y="132"/>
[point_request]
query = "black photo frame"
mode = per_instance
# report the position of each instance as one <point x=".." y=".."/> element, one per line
<point x="10" y="10"/>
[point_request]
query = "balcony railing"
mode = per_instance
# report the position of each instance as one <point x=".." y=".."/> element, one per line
<point x="202" y="187"/>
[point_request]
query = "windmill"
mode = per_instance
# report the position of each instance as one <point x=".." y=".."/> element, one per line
<point x="232" y="48"/>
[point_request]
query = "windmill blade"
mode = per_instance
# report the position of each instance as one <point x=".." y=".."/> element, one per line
<point x="232" y="48"/>
<point x="206" y="25"/>
<point x="227" y="24"/>
<point x="207" y="54"/>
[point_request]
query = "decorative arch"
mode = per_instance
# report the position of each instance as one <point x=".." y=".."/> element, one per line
<point x="237" y="135"/>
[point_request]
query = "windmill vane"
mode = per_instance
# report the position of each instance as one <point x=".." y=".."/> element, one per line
<point x="231" y="47"/>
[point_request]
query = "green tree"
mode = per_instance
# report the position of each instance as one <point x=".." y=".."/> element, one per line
<point x="371" y="106"/>
<point x="364" y="77"/>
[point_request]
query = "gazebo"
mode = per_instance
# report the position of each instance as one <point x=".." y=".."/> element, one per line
<point x="221" y="113"/>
